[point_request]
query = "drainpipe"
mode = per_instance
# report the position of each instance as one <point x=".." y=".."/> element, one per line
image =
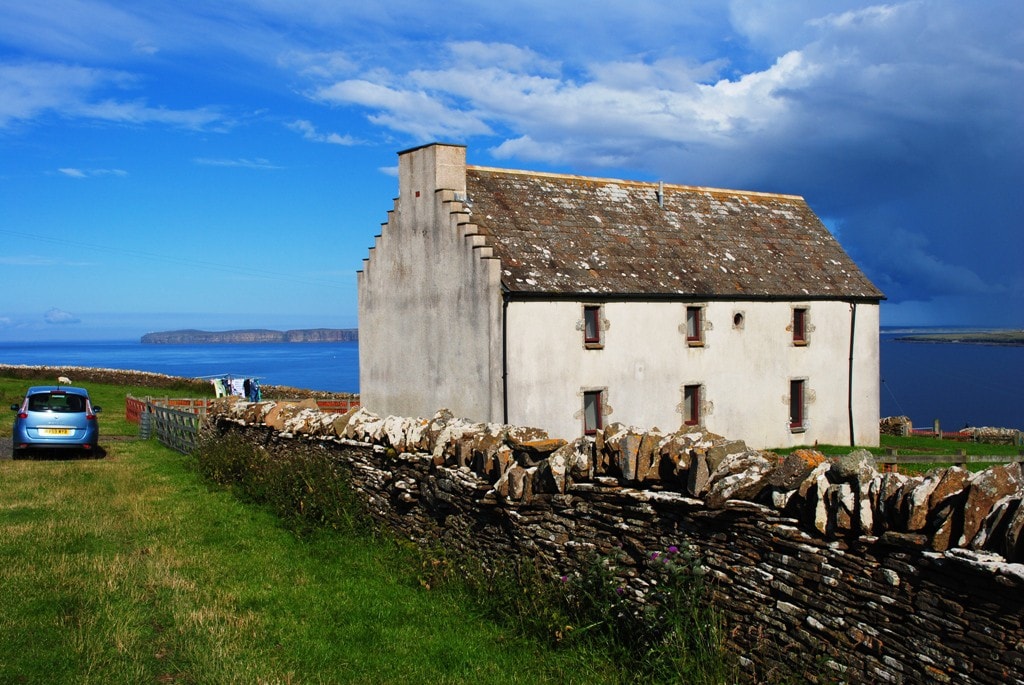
<point x="504" y="357"/>
<point x="849" y="399"/>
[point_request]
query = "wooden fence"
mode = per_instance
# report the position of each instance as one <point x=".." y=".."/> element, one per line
<point x="174" y="428"/>
<point x="176" y="421"/>
<point x="892" y="458"/>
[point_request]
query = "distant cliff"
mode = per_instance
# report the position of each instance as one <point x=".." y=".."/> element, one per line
<point x="1009" y="338"/>
<point x="309" y="335"/>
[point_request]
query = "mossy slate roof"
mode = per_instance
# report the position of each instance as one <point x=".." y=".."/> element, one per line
<point x="576" y="236"/>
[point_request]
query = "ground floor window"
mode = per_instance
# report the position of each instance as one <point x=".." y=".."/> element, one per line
<point x="593" y="411"/>
<point x="797" y="404"/>
<point x="691" y="405"/>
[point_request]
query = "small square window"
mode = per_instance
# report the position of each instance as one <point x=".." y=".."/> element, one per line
<point x="592" y="326"/>
<point x="691" y="405"/>
<point x="797" y="405"/>
<point x="695" y="325"/>
<point x="593" y="408"/>
<point x="800" y="326"/>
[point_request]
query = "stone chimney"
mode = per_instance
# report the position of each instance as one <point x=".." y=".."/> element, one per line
<point x="425" y="169"/>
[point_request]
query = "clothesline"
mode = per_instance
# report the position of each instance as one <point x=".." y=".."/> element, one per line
<point x="247" y="387"/>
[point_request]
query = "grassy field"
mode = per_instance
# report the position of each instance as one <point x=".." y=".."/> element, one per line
<point x="919" y="445"/>
<point x="131" y="569"/>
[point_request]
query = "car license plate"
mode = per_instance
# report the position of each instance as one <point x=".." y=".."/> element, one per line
<point x="55" y="431"/>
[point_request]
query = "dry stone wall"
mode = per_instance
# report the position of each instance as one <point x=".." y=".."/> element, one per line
<point x="825" y="570"/>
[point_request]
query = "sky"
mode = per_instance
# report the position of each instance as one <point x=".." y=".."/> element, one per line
<point x="219" y="165"/>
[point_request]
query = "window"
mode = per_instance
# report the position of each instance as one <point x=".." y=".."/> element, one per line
<point x="691" y="405"/>
<point x="593" y="408"/>
<point x="695" y="325"/>
<point x="592" y="337"/>
<point x="799" y="326"/>
<point x="797" y="406"/>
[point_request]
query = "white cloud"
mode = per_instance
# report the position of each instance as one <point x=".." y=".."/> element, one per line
<point x="415" y="112"/>
<point x="309" y="132"/>
<point x="243" y="163"/>
<point x="87" y="173"/>
<point x="508" y="57"/>
<point x="26" y="260"/>
<point x="60" y="317"/>
<point x="30" y="90"/>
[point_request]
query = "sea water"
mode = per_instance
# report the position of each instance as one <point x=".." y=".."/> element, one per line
<point x="315" y="366"/>
<point x="956" y="384"/>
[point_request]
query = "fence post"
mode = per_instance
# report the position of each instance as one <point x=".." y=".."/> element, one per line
<point x="961" y="457"/>
<point x="938" y="429"/>
<point x="890" y="465"/>
<point x="145" y="423"/>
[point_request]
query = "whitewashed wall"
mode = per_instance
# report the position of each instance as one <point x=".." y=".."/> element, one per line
<point x="429" y="309"/>
<point x="745" y="371"/>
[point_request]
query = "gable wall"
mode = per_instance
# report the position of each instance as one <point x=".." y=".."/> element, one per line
<point x="745" y="371"/>
<point x="429" y="303"/>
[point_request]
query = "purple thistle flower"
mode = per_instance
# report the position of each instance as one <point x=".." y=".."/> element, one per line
<point x="673" y="549"/>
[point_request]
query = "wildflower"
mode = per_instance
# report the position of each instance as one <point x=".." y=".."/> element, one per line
<point x="655" y="555"/>
<point x="565" y="579"/>
<point x="673" y="549"/>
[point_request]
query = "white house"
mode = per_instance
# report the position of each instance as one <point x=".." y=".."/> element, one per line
<point x="566" y="303"/>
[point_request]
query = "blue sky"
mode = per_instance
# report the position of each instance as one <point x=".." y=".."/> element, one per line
<point x="168" y="164"/>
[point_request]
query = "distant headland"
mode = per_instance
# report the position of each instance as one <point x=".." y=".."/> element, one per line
<point x="260" y="335"/>
<point x="1006" y="337"/>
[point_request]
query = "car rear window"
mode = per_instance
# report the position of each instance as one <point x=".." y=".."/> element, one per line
<point x="56" y="401"/>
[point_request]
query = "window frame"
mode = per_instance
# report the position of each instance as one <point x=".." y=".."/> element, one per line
<point x="593" y="313"/>
<point x="599" y="397"/>
<point x="797" y="405"/>
<point x="695" y="338"/>
<point x="693" y="397"/>
<point x="799" y="326"/>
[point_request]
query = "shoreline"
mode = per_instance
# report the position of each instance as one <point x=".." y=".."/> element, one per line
<point x="1012" y="338"/>
<point x="153" y="379"/>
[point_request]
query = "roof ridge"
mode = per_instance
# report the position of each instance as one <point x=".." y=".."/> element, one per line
<point x="651" y="184"/>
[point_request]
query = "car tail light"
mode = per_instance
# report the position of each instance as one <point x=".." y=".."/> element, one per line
<point x="22" y="415"/>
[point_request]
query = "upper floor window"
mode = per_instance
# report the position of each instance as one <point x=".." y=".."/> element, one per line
<point x="593" y="411"/>
<point x="799" y="326"/>
<point x="592" y="336"/>
<point x="695" y="325"/>
<point x="691" y="405"/>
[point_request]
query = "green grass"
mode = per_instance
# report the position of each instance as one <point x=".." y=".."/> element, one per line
<point x="920" y="446"/>
<point x="915" y="445"/>
<point x="133" y="569"/>
<point x="130" y="569"/>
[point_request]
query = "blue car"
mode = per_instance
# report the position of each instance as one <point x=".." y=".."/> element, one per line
<point x="55" y="417"/>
